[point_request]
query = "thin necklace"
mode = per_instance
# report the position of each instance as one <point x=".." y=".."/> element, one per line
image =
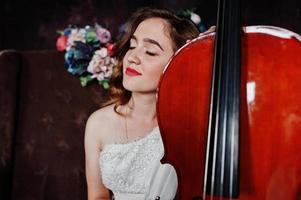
<point x="126" y="124"/>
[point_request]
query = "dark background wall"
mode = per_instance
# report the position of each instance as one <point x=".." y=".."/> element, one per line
<point x="32" y="24"/>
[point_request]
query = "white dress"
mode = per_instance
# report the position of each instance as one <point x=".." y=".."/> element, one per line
<point x="133" y="171"/>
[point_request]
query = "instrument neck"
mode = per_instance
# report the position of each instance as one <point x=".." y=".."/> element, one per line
<point x="222" y="154"/>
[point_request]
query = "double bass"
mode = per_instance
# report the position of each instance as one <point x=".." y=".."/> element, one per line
<point x="229" y="112"/>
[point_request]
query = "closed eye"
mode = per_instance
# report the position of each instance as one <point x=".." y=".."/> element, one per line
<point x="150" y="53"/>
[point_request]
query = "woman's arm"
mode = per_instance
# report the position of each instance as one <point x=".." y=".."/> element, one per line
<point x="96" y="189"/>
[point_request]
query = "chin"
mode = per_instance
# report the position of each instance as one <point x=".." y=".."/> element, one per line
<point x="138" y="86"/>
<point x="129" y="85"/>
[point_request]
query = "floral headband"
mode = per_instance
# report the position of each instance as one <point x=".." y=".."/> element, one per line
<point x="89" y="50"/>
<point x="88" y="53"/>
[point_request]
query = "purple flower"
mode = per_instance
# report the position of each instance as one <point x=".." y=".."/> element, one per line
<point x="103" y="34"/>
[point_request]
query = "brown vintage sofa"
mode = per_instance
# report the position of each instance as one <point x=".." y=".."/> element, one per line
<point x="43" y="111"/>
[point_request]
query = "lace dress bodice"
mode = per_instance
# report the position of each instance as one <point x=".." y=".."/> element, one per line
<point x="125" y="167"/>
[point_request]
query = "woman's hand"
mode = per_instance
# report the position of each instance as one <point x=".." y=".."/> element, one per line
<point x="209" y="31"/>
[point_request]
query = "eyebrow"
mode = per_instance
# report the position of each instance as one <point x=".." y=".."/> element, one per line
<point x="149" y="41"/>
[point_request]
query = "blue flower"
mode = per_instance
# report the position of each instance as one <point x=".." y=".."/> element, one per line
<point x="67" y="31"/>
<point x="78" y="58"/>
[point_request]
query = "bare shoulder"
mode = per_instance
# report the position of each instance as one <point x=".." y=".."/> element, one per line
<point x="100" y="123"/>
<point x="102" y="116"/>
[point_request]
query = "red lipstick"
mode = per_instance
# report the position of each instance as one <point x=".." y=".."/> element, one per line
<point x="131" y="72"/>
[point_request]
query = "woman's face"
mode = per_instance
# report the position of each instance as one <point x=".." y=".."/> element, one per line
<point x="150" y="50"/>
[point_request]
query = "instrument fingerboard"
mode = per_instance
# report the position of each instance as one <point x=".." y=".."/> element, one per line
<point x="222" y="153"/>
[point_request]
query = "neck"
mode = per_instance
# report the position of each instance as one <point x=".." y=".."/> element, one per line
<point x="143" y="106"/>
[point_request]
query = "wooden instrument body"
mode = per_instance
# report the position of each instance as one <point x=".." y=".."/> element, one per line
<point x="270" y="114"/>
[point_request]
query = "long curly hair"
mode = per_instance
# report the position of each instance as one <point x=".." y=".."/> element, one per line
<point x="180" y="30"/>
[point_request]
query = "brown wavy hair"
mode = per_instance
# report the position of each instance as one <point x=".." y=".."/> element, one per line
<point x="180" y="30"/>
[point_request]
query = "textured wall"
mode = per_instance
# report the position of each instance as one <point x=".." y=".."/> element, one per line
<point x="32" y="24"/>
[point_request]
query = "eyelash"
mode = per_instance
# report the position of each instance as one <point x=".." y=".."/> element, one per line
<point x="147" y="52"/>
<point x="150" y="53"/>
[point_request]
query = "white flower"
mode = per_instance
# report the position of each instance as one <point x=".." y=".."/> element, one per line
<point x="103" y="52"/>
<point x="76" y="35"/>
<point x="100" y="76"/>
<point x="195" y="18"/>
<point x="101" y="65"/>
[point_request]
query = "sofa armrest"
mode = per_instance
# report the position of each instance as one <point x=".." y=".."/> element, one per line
<point x="46" y="109"/>
<point x="10" y="62"/>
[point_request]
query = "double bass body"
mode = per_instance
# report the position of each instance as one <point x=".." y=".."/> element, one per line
<point x="270" y="115"/>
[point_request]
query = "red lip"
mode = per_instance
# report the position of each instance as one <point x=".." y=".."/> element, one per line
<point x="131" y="72"/>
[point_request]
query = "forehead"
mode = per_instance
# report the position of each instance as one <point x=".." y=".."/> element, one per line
<point x="156" y="29"/>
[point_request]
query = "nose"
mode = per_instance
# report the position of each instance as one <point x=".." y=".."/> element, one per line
<point x="134" y="56"/>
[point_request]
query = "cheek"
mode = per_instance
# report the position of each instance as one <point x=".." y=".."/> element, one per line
<point x="124" y="63"/>
<point x="124" y="60"/>
<point x="155" y="71"/>
<point x="158" y="68"/>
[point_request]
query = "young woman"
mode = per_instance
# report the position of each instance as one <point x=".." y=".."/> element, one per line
<point x="122" y="140"/>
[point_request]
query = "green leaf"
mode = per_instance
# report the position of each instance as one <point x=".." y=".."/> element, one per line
<point x="105" y="84"/>
<point x="84" y="80"/>
<point x="91" y="36"/>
